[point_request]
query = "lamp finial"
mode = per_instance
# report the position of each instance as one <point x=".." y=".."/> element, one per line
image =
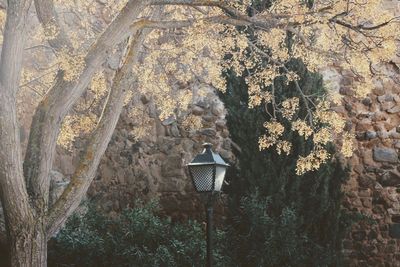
<point x="207" y="145"/>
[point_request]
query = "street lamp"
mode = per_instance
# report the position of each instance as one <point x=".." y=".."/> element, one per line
<point x="207" y="171"/>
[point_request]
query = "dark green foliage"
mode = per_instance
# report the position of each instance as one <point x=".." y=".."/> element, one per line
<point x="277" y="217"/>
<point x="270" y="238"/>
<point x="137" y="237"/>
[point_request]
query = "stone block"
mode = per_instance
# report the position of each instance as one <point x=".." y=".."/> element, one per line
<point x="379" y="116"/>
<point x="172" y="166"/>
<point x="174" y="130"/>
<point x="220" y="125"/>
<point x="387" y="105"/>
<point x="198" y="111"/>
<point x="367" y="101"/>
<point x="217" y="108"/>
<point x="106" y="173"/>
<point x="367" y="202"/>
<point x="366" y="181"/>
<point x="168" y="121"/>
<point x="391" y="178"/>
<point x="385" y="98"/>
<point x="383" y="154"/>
<point x="346" y="90"/>
<point x="394" y="135"/>
<point x="370" y="135"/>
<point x="364" y="125"/>
<point x="396" y="219"/>
<point x="359" y="235"/>
<point x="378" y="91"/>
<point x="393" y="110"/>
<point x="170" y="185"/>
<point x="383" y="134"/>
<point x="209" y="132"/>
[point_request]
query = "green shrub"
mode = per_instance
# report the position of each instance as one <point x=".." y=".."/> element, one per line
<point x="259" y="238"/>
<point x="137" y="237"/>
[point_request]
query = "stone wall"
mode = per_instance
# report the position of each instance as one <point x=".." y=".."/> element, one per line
<point x="374" y="184"/>
<point x="155" y="166"/>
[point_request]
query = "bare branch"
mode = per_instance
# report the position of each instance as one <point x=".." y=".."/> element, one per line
<point x="48" y="117"/>
<point x="297" y="85"/>
<point x="359" y="28"/>
<point x="36" y="79"/>
<point x="211" y="3"/>
<point x="187" y="23"/>
<point x="97" y="143"/>
<point x="41" y="46"/>
<point x="265" y="21"/>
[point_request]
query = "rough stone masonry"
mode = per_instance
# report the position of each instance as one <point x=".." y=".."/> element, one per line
<point x="374" y="185"/>
<point x="155" y="167"/>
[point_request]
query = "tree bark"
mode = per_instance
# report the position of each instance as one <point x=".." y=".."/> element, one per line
<point x="51" y="111"/>
<point x="26" y="234"/>
<point x="28" y="244"/>
<point x="99" y="139"/>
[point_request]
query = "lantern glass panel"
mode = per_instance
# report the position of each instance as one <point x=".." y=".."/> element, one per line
<point x="219" y="177"/>
<point x="202" y="176"/>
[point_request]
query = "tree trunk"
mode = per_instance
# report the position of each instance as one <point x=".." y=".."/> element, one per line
<point x="28" y="245"/>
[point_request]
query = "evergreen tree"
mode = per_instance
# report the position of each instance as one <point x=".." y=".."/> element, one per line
<point x="277" y="217"/>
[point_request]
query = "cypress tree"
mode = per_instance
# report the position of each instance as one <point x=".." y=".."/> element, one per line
<point x="277" y="217"/>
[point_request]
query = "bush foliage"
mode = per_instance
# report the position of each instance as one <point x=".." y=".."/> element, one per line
<point x="137" y="237"/>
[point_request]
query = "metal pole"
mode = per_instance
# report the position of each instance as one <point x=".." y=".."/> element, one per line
<point x="209" y="211"/>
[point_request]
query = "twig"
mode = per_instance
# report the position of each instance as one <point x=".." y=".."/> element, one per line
<point x="295" y="82"/>
<point x="36" y="79"/>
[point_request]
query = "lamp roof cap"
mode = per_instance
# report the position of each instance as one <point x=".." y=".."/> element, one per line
<point x="208" y="157"/>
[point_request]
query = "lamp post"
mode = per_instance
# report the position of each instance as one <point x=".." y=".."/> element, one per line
<point x="207" y="171"/>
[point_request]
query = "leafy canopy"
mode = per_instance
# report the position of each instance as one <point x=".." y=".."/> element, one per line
<point x="191" y="43"/>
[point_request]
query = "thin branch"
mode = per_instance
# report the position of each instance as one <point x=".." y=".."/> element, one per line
<point x="151" y="24"/>
<point x="36" y="79"/>
<point x="41" y="46"/>
<point x="97" y="143"/>
<point x="359" y="28"/>
<point x="34" y="90"/>
<point x="298" y="88"/>
<point x="273" y="100"/>
<point x="199" y="9"/>
<point x="212" y="3"/>
<point x="265" y="21"/>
